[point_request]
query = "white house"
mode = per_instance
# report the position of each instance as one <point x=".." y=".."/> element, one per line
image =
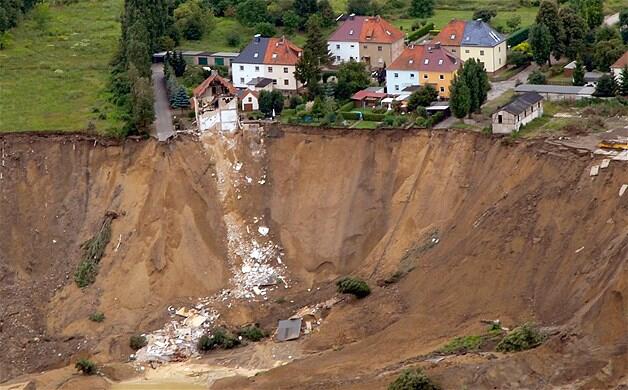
<point x="267" y="58"/>
<point x="249" y="100"/>
<point x="519" y="112"/>
<point x="216" y="105"/>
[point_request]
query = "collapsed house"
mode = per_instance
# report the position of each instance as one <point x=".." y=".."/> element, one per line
<point x="216" y="105"/>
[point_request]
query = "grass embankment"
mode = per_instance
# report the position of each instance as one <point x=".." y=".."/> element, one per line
<point x="55" y="79"/>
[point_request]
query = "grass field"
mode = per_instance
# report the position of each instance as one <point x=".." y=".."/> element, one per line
<point x="54" y="80"/>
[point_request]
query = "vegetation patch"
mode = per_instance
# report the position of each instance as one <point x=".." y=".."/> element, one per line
<point x="93" y="250"/>
<point x="461" y="345"/>
<point x="413" y="379"/>
<point x="97" y="316"/>
<point x="523" y="337"/>
<point x="354" y="286"/>
<point x="219" y="338"/>
<point x="86" y="366"/>
<point x="252" y="333"/>
<point x="137" y="342"/>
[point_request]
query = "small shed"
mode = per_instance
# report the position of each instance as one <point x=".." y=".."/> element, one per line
<point x="557" y="92"/>
<point x="289" y="329"/>
<point x="249" y="100"/>
<point x="569" y="69"/>
<point x="223" y="58"/>
<point x="366" y="98"/>
<point x="520" y="111"/>
<point x="435" y="107"/>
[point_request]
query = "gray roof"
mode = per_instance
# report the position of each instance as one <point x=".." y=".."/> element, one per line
<point x="522" y="103"/>
<point x="289" y="329"/>
<point x="558" y="89"/>
<point x="479" y="33"/>
<point x="593" y="76"/>
<point x="225" y="54"/>
<point x="260" y="82"/>
<point x="254" y="52"/>
<point x="195" y="53"/>
<point x="438" y="106"/>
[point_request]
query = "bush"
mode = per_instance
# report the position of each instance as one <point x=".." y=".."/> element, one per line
<point x="86" y="366"/>
<point x="354" y="286"/>
<point x="350" y="116"/>
<point x="234" y="39"/>
<point x="347" y="107"/>
<point x="93" y="251"/>
<point x="521" y="338"/>
<point x="252" y="333"/>
<point x="413" y="380"/>
<point x="537" y="77"/>
<point x="220" y="338"/>
<point x="295" y="101"/>
<point x="462" y="345"/>
<point x="372" y="117"/>
<point x="418" y="33"/>
<point x="97" y="316"/>
<point x="137" y="342"/>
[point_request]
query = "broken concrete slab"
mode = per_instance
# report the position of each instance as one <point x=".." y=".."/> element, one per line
<point x="605" y="163"/>
<point x="623" y="190"/>
<point x="595" y="170"/>
<point x="289" y="329"/>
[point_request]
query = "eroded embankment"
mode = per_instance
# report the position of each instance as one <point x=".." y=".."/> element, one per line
<point x="524" y="234"/>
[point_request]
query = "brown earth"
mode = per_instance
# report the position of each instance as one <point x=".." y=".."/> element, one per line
<point x="524" y="235"/>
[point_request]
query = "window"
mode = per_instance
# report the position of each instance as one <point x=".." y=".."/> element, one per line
<point x="442" y="89"/>
<point x="350" y="32"/>
<point x="241" y="67"/>
<point x="337" y="46"/>
<point x="337" y="58"/>
<point x="440" y="62"/>
<point x="499" y="49"/>
<point x="452" y="36"/>
<point x="250" y="99"/>
<point x="499" y="119"/>
<point x="396" y="75"/>
<point x="425" y="76"/>
<point x="257" y="68"/>
<point x="274" y="55"/>
<point x="453" y="50"/>
<point x="396" y="88"/>
<point x="274" y="81"/>
<point x="411" y="75"/>
<point x="481" y="52"/>
<point x="539" y="104"/>
<point x="442" y="77"/>
<point x="202" y="60"/>
<point x="426" y="61"/>
<point x="366" y="47"/>
<point x="379" y="48"/>
<point x="256" y="55"/>
<point x="242" y="79"/>
<point x="352" y="46"/>
<point x="286" y="82"/>
<point x="285" y="70"/>
<point x="270" y="69"/>
<point x="500" y="61"/>
<point x="467" y="51"/>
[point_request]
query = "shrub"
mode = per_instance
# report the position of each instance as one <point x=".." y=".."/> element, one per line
<point x="372" y="117"/>
<point x="418" y="33"/>
<point x="347" y="107"/>
<point x="413" y="380"/>
<point x="97" y="316"/>
<point x="521" y="338"/>
<point x="295" y="101"/>
<point x="86" y="366"/>
<point x="93" y="251"/>
<point x="462" y="345"/>
<point x="354" y="286"/>
<point x="350" y="116"/>
<point x="220" y="338"/>
<point x="536" y="77"/>
<point x="252" y="333"/>
<point x="234" y="39"/>
<point x="137" y="342"/>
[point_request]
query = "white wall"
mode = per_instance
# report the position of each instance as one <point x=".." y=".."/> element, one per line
<point x="394" y="85"/>
<point x="241" y="77"/>
<point x="276" y="72"/>
<point x="509" y="126"/>
<point x="346" y="51"/>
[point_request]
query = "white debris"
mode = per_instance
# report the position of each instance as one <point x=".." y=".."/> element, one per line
<point x="263" y="230"/>
<point x="237" y="166"/>
<point x="623" y="190"/>
<point x="249" y="179"/>
<point x="595" y="170"/>
<point x="605" y="163"/>
<point x="579" y="249"/>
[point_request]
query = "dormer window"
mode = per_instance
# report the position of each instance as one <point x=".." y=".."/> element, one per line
<point x="274" y="55"/>
<point x="452" y="36"/>
<point x="411" y="62"/>
<point x="256" y="55"/>
<point x="350" y="32"/>
<point x="440" y="62"/>
<point x="426" y="61"/>
<point x="388" y="32"/>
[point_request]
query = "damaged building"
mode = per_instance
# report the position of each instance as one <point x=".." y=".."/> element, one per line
<point x="216" y="105"/>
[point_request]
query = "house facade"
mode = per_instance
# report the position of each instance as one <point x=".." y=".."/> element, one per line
<point x="249" y="100"/>
<point x="269" y="58"/>
<point x="519" y="112"/>
<point x="475" y="39"/>
<point x="216" y="105"/>
<point x="370" y="39"/>
<point x="618" y="66"/>
<point x="419" y="65"/>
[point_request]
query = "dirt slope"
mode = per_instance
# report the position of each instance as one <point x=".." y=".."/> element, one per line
<point x="524" y="234"/>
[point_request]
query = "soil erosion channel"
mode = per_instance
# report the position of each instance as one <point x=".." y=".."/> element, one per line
<point x="519" y="232"/>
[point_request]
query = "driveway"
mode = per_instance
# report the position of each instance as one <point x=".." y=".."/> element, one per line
<point x="164" y="128"/>
<point x="498" y="88"/>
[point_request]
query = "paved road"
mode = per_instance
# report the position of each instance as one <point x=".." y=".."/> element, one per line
<point x="611" y="19"/>
<point x="164" y="128"/>
<point x="498" y="88"/>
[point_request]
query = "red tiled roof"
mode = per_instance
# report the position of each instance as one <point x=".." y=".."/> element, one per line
<point x="366" y="29"/>
<point x="621" y="62"/>
<point x="281" y="51"/>
<point x="409" y="59"/>
<point x="451" y="34"/>
<point x="200" y="90"/>
<point x="242" y="93"/>
<point x="364" y="94"/>
<point x="437" y="59"/>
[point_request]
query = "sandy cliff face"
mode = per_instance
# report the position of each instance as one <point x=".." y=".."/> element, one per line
<point x="519" y="232"/>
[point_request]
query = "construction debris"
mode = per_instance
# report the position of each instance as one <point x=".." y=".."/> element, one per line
<point x="289" y="329"/>
<point x="623" y="190"/>
<point x="595" y="170"/>
<point x="605" y="163"/>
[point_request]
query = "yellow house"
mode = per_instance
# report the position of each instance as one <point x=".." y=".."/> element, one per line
<point x="437" y="68"/>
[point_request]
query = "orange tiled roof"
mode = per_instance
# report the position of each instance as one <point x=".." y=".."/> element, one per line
<point x="377" y="30"/>
<point x="621" y="62"/>
<point x="281" y="51"/>
<point x="409" y="59"/>
<point x="200" y="90"/>
<point x="451" y="34"/>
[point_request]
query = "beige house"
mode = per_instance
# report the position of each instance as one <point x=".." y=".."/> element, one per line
<point x="519" y="112"/>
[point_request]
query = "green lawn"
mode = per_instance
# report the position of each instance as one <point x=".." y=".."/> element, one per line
<point x="216" y="40"/>
<point x="366" y="125"/>
<point x="55" y="80"/>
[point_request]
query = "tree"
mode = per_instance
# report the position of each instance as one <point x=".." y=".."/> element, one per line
<point x="605" y="53"/>
<point x="315" y="42"/>
<point x="537" y="77"/>
<point x="305" y="8"/>
<point x="513" y="22"/>
<point x="592" y="11"/>
<point x="250" y="12"/>
<point x="327" y="14"/>
<point x="265" y="29"/>
<point x="474" y="76"/>
<point x="269" y="101"/>
<point x="308" y="72"/>
<point x="192" y="20"/>
<point x="606" y="86"/>
<point x="540" y="43"/>
<point x="484" y="14"/>
<point x="574" y="32"/>
<point x="623" y="24"/>
<point x="606" y="33"/>
<point x="622" y="88"/>
<point x="291" y="21"/>
<point x="181" y="99"/>
<point x="422" y="97"/>
<point x="548" y="16"/>
<point x="41" y="16"/>
<point x="352" y="77"/>
<point x="359" y="7"/>
<point x="142" y="109"/>
<point x="578" y="74"/>
<point x="421" y="8"/>
<point x="460" y="98"/>
<point x="177" y="62"/>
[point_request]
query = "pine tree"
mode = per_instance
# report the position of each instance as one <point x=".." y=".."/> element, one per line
<point x="460" y="98"/>
<point x="421" y="8"/>
<point x="540" y="43"/>
<point x="308" y="72"/>
<point x="316" y="43"/>
<point x="623" y="82"/>
<point x="548" y="16"/>
<point x="605" y="86"/>
<point x="578" y="74"/>
<point x="327" y="14"/>
<point x="181" y="99"/>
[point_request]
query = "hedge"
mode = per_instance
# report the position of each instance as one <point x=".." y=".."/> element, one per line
<point x="350" y="116"/>
<point x="372" y="117"/>
<point x="346" y="107"/>
<point x="518" y="36"/>
<point x="420" y="32"/>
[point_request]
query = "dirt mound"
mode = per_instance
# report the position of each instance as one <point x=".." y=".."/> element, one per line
<point x="475" y="228"/>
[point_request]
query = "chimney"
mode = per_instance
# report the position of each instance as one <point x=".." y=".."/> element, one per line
<point x="378" y="18"/>
<point x="257" y="38"/>
<point x="412" y="46"/>
<point x="352" y="16"/>
<point x="437" y="45"/>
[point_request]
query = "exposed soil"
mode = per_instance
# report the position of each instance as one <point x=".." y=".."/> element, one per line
<point x="524" y="234"/>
